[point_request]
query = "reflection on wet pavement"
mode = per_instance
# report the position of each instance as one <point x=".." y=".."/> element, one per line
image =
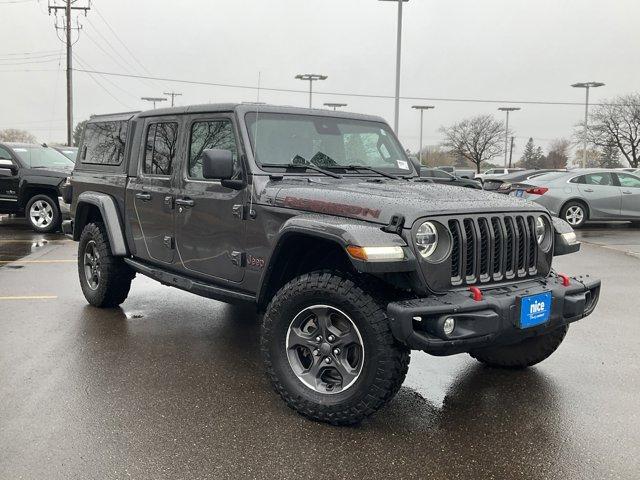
<point x="17" y="240"/>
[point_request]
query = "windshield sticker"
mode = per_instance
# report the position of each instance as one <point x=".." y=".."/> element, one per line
<point x="403" y="165"/>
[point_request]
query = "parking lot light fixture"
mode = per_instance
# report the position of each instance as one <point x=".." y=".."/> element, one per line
<point x="396" y="116"/>
<point x="506" y="132"/>
<point x="585" y="134"/>
<point x="311" y="77"/>
<point x="422" y="108"/>
<point x="153" y="100"/>
<point x="335" y="106"/>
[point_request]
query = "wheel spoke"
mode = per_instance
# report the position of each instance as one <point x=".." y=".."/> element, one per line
<point x="346" y="371"/>
<point x="297" y="338"/>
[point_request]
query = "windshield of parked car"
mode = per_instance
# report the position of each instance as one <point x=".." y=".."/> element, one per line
<point x="327" y="142"/>
<point x="70" y="153"/>
<point x="42" y="157"/>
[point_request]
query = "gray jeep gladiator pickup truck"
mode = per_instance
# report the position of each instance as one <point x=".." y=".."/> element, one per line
<point x="319" y="219"/>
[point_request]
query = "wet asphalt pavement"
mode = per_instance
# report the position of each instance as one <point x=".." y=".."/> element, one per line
<point x="171" y="386"/>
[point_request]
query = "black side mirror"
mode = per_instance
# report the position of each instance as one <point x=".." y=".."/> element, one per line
<point x="8" y="164"/>
<point x="218" y="165"/>
<point x="5" y="172"/>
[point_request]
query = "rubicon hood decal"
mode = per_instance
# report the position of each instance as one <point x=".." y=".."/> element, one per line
<point x="321" y="206"/>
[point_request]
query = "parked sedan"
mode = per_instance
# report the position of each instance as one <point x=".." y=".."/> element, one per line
<point x="440" y="176"/>
<point x="581" y="195"/>
<point x="507" y="183"/>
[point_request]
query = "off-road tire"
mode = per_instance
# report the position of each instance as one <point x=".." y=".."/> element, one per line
<point x="524" y="354"/>
<point x="575" y="203"/>
<point x="115" y="275"/>
<point x="55" y="209"/>
<point x="385" y="361"/>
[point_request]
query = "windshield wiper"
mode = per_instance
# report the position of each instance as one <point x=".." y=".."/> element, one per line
<point x="369" y="169"/>
<point x="306" y="166"/>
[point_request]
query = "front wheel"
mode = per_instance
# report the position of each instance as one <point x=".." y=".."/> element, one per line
<point x="328" y="349"/>
<point x="524" y="354"/>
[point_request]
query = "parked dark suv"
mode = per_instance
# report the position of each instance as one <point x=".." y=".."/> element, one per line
<point x="318" y="219"/>
<point x="31" y="181"/>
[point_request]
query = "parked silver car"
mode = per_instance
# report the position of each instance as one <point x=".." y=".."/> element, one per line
<point x="578" y="196"/>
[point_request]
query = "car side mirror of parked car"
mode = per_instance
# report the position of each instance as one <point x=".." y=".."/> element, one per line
<point x="218" y="165"/>
<point x="6" y="163"/>
<point x="5" y="172"/>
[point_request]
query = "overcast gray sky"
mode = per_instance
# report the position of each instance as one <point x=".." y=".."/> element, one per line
<point x="490" y="49"/>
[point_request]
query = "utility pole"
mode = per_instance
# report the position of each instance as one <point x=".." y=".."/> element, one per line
<point x="311" y="77"/>
<point x="422" y="108"/>
<point x="396" y="116"/>
<point x="585" y="135"/>
<point x="172" y="95"/>
<point x="506" y="131"/>
<point x="153" y="100"/>
<point x="511" y="151"/>
<point x="68" y="7"/>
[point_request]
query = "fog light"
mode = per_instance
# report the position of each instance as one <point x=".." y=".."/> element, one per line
<point x="449" y="325"/>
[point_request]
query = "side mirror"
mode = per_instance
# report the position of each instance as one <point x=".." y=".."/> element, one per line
<point x="6" y="172"/>
<point x="416" y="164"/>
<point x="218" y="165"/>
<point x="7" y="163"/>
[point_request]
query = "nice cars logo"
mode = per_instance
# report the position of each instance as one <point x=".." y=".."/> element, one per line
<point x="537" y="307"/>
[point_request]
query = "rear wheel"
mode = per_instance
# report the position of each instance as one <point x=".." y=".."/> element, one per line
<point x="43" y="213"/>
<point x="574" y="213"/>
<point x="329" y="351"/>
<point x="524" y="354"/>
<point x="105" y="280"/>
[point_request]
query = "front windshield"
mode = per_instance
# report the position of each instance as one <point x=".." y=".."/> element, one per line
<point x="327" y="142"/>
<point x="42" y="157"/>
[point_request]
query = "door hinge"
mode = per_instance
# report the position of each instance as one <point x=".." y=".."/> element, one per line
<point x="168" y="242"/>
<point x="168" y="201"/>
<point x="238" y="258"/>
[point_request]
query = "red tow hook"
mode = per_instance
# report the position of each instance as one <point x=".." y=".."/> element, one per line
<point x="476" y="294"/>
<point x="565" y="279"/>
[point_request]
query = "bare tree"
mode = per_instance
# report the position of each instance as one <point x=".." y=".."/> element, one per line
<point x="478" y="139"/>
<point x="617" y="122"/>
<point x="15" y="135"/>
<point x="558" y="153"/>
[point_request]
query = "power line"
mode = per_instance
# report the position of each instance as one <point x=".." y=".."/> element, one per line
<point x="85" y="64"/>
<point x="343" y="94"/>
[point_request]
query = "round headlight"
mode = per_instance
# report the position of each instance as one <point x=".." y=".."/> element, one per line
<point x="541" y="230"/>
<point x="427" y="239"/>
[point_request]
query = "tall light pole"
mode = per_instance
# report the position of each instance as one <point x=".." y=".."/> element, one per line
<point x="396" y="117"/>
<point x="506" y="132"/>
<point x="586" y="86"/>
<point x="311" y="77"/>
<point x="335" y="106"/>
<point x="422" y="108"/>
<point x="153" y="100"/>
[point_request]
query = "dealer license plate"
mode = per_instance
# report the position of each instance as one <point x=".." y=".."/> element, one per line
<point x="535" y="309"/>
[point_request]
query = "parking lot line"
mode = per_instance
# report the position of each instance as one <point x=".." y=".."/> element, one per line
<point x="30" y="297"/>
<point x="38" y="261"/>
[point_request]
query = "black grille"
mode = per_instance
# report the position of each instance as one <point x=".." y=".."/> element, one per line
<point x="490" y="249"/>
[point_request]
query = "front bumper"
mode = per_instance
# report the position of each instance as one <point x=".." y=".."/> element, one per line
<point x="494" y="320"/>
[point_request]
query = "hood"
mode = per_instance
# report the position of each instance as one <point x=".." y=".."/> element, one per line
<point x="379" y="201"/>
<point x="47" y="172"/>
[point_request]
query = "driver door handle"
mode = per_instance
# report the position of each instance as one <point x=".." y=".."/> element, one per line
<point x="143" y="196"/>
<point x="626" y="192"/>
<point x="588" y="190"/>
<point x="185" y="202"/>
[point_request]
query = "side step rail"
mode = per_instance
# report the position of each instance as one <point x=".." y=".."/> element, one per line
<point x="189" y="285"/>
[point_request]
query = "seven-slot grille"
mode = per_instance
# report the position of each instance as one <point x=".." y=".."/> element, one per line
<point x="490" y="249"/>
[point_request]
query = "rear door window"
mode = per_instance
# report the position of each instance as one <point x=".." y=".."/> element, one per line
<point x="104" y="142"/>
<point x="600" y="178"/>
<point x="160" y="148"/>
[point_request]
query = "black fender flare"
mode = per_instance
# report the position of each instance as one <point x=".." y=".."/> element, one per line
<point x="110" y="216"/>
<point x="343" y="232"/>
